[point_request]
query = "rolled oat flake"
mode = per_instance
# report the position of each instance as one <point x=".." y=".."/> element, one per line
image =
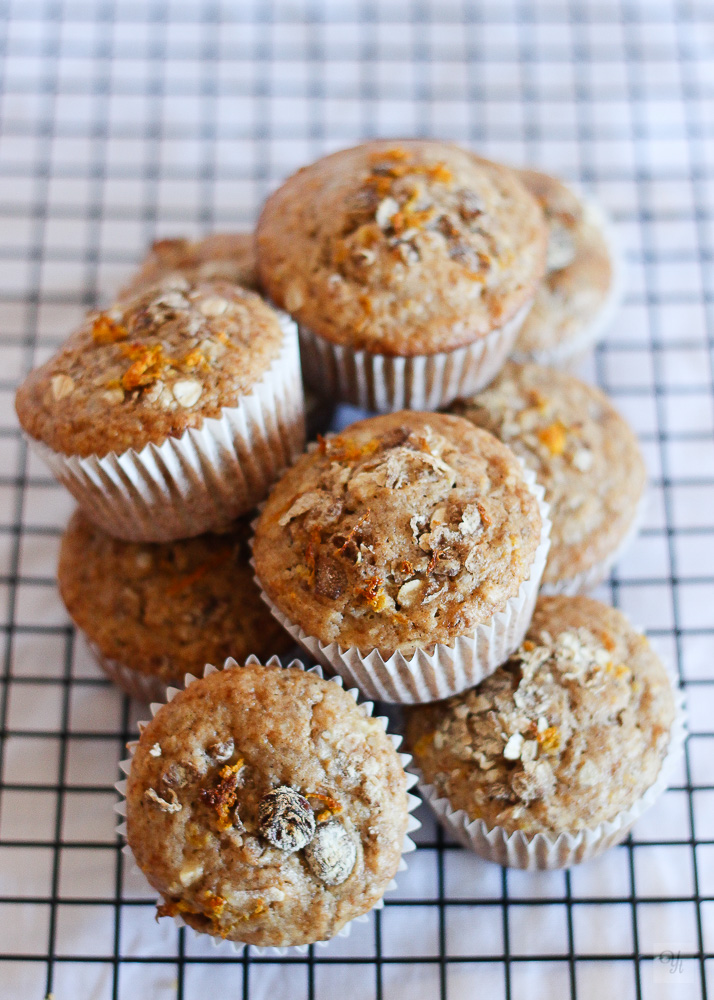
<point x="286" y="819"/>
<point x="331" y="854"/>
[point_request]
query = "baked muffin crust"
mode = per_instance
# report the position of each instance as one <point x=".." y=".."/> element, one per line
<point x="579" y="273"/>
<point x="166" y="609"/>
<point x="567" y="734"/>
<point x="406" y="530"/>
<point x="203" y="820"/>
<point x="402" y="248"/>
<point x="150" y="367"/>
<point x="582" y="451"/>
<point x="218" y="257"/>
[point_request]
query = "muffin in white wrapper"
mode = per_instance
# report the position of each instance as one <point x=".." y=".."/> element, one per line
<point x="136" y="683"/>
<point x="583" y="583"/>
<point x="542" y="851"/>
<point x="385" y="383"/>
<point x="367" y="709"/>
<point x="438" y="671"/>
<point x="571" y="346"/>
<point x="205" y="478"/>
<point x="553" y="758"/>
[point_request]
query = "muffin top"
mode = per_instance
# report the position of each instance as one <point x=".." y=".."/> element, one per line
<point x="402" y="248"/>
<point x="266" y="806"/>
<point x="582" y="451"/>
<point x="168" y="609"/>
<point x="579" y="274"/>
<point x="567" y="734"/>
<point x="219" y="257"/>
<point x="150" y="367"/>
<point x="405" y="530"/>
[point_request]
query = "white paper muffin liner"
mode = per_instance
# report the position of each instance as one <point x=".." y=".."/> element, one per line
<point x="543" y="851"/>
<point x="440" y="670"/>
<point x="571" y="352"/>
<point x="583" y="583"/>
<point x="367" y="707"/>
<point x="203" y="479"/>
<point x="423" y="382"/>
<point x="137" y="684"/>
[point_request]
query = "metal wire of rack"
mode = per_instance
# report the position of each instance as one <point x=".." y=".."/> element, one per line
<point x="122" y="120"/>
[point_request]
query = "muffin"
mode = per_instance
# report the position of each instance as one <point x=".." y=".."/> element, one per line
<point x="153" y="613"/>
<point x="551" y="759"/>
<point x="267" y="807"/>
<point x="583" y="453"/>
<point x="576" y="300"/>
<point x="218" y="257"/>
<point x="409" y="267"/>
<point x="404" y="553"/>
<point x="171" y="413"/>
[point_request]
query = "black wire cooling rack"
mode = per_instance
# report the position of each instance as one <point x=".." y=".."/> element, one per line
<point x="121" y="121"/>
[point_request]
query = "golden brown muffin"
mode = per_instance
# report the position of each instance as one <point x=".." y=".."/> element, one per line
<point x="578" y="285"/>
<point x="218" y="257"/>
<point x="166" y="610"/>
<point x="403" y="531"/>
<point x="267" y="807"/>
<point x="569" y="733"/>
<point x="402" y="248"/>
<point x="583" y="453"/>
<point x="150" y="367"/>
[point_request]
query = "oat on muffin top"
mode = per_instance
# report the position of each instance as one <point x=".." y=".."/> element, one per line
<point x="266" y="807"/>
<point x="579" y="274"/>
<point x="402" y="248"/>
<point x="218" y="257"/>
<point x="582" y="451"/>
<point x="167" y="609"/>
<point x="150" y="367"/>
<point x="567" y="734"/>
<point x="405" y="530"/>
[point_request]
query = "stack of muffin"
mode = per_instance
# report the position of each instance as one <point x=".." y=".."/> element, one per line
<point x="430" y="559"/>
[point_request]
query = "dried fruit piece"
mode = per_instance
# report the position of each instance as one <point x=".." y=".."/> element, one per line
<point x="224" y="794"/>
<point x="106" y="330"/>
<point x="554" y="437"/>
<point x="331" y="854"/>
<point x="286" y="819"/>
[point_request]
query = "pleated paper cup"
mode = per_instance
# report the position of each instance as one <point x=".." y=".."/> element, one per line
<point x="439" y="670"/>
<point x="424" y="382"/>
<point x="137" y="684"/>
<point x="543" y="851"/>
<point x="583" y="583"/>
<point x="367" y="707"/>
<point x="204" y="479"/>
<point x="572" y="352"/>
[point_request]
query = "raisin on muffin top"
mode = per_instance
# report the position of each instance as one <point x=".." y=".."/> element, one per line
<point x="583" y="452"/>
<point x="150" y="367"/>
<point x="405" y="530"/>
<point x="218" y="257"/>
<point x="402" y="248"/>
<point x="266" y="806"/>
<point x="572" y="730"/>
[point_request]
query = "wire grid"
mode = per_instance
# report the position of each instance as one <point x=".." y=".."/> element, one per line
<point x="121" y="121"/>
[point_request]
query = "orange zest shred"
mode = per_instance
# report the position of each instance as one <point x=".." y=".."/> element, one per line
<point x="353" y="530"/>
<point x="184" y="582"/>
<point x="423" y="743"/>
<point x="528" y="645"/>
<point x="105" y="330"/>
<point x="435" y="557"/>
<point x="373" y="594"/>
<point x="147" y="365"/>
<point x="554" y="437"/>
<point x="332" y="806"/>
<point x="549" y="739"/>
<point x="222" y="797"/>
